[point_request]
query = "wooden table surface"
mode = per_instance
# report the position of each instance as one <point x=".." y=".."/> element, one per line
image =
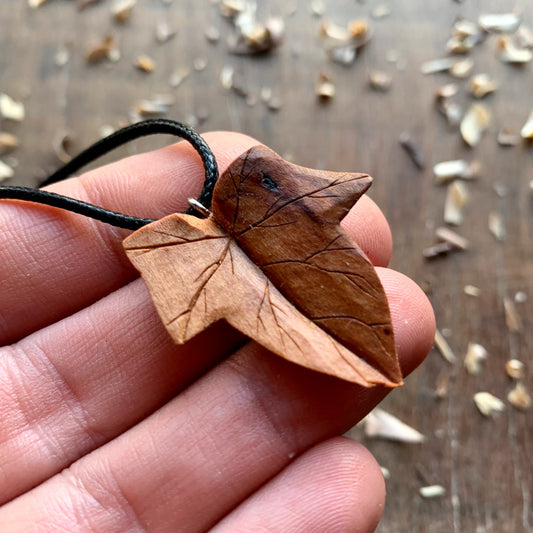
<point x="485" y="464"/>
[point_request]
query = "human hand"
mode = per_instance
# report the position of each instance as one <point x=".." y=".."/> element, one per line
<point x="106" y="425"/>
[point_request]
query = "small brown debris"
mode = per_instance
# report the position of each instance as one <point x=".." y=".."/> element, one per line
<point x="474" y="124"/>
<point x="178" y="77"/>
<point x="488" y="404"/>
<point x="144" y="63"/>
<point x="380" y="424"/>
<point x="481" y="85"/>
<point x="508" y="137"/>
<point x="519" y="397"/>
<point x="413" y="150"/>
<point x="432" y="491"/>
<point x="512" y="318"/>
<point x="325" y="89"/>
<point x="6" y="171"/>
<point x="163" y="32"/>
<point x="8" y="142"/>
<point x="157" y="106"/>
<point x="496" y="226"/>
<point x="447" y="235"/>
<point x="499" y="23"/>
<point x="444" y="348"/>
<point x="82" y="4"/>
<point x="472" y="290"/>
<point x="102" y="51"/>
<point x="379" y="80"/>
<point x="456" y="200"/>
<point x="122" y="10"/>
<point x="510" y="53"/>
<point x="475" y="355"/>
<point x="11" y="109"/>
<point x="359" y="29"/>
<point x="515" y="369"/>
<point x="527" y="129"/>
<point x="60" y="144"/>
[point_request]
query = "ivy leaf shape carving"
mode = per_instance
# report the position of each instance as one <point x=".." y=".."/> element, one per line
<point x="273" y="261"/>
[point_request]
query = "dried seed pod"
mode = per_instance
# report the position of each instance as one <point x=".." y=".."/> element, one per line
<point x="474" y="124"/>
<point x="8" y="142"/>
<point x="475" y="355"/>
<point x="380" y="424"/>
<point x="510" y="53"/>
<point x="444" y="348"/>
<point x="507" y="137"/>
<point x="488" y="404"/>
<point x="481" y="85"/>
<point x="515" y="369"/>
<point x="527" y="129"/>
<point x="456" y="199"/>
<point x="11" y="109"/>
<point x="519" y="397"/>
<point x="6" y="171"/>
<point x="499" y="23"/>
<point x="496" y="226"/>
<point x="144" y="63"/>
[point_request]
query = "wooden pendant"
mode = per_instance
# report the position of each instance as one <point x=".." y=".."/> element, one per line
<point x="273" y="261"/>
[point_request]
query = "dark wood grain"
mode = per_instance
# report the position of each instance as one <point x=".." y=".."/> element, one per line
<point x="484" y="464"/>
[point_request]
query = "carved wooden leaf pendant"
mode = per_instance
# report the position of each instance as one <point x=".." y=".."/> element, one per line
<point x="273" y="261"/>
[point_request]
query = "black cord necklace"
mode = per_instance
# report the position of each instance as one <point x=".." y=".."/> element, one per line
<point x="98" y="149"/>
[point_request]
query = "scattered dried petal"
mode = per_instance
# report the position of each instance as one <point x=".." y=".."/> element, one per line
<point x="385" y="471"/>
<point x="105" y="131"/>
<point x="456" y="199"/>
<point x="8" y="142"/>
<point x="472" y="290"/>
<point x="481" y="85"/>
<point x="163" y="32"/>
<point x="527" y="129"/>
<point x="122" y="9"/>
<point x="510" y="53"/>
<point x="519" y="397"/>
<point x="232" y="8"/>
<point x="447" y="235"/>
<point x="499" y="23"/>
<point x="344" y="55"/>
<point x="379" y="80"/>
<point x="226" y="76"/>
<point x="496" y="226"/>
<point x="437" y="65"/>
<point x="488" y="404"/>
<point x="444" y="348"/>
<point x="179" y="76"/>
<point x="11" y="109"/>
<point x="432" y="491"/>
<point x="318" y="8"/>
<point x="465" y="28"/>
<point x="212" y="34"/>
<point x="442" y="386"/>
<point x="325" y="89"/>
<point x="462" y="68"/>
<point x="381" y="11"/>
<point x="334" y="32"/>
<point x="475" y="355"/>
<point x="512" y="318"/>
<point x="144" y="63"/>
<point x="515" y="369"/>
<point x="199" y="64"/>
<point x="6" y="171"/>
<point x="507" y="137"/>
<point x="36" y="3"/>
<point x="102" y="51"/>
<point x="156" y="106"/>
<point x="474" y="123"/>
<point x="441" y="248"/>
<point x="524" y="37"/>
<point x="380" y="424"/>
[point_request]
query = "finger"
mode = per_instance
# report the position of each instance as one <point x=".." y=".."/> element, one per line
<point x="54" y="263"/>
<point x="335" y="486"/>
<point x="228" y="433"/>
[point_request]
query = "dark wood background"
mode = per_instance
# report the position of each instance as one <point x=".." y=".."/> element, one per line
<point x="484" y="464"/>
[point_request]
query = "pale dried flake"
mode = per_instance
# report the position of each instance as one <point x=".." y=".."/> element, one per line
<point x="334" y="32"/>
<point x="437" y="65"/>
<point x="481" y="85"/>
<point x="106" y="49"/>
<point x="515" y="369"/>
<point x="499" y="22"/>
<point x="385" y="472"/>
<point x="381" y="11"/>
<point x="163" y="32"/>
<point x="11" y="109"/>
<point x="497" y="226"/>
<point x="325" y="89"/>
<point x="318" y="8"/>
<point x="462" y="68"/>
<point x="527" y="129"/>
<point x="444" y="348"/>
<point x="508" y="137"/>
<point x="519" y="397"/>
<point x="121" y="10"/>
<point x="475" y="355"/>
<point x="447" y="235"/>
<point x="520" y="297"/>
<point x="6" y="171"/>
<point x="488" y="404"/>
<point x="432" y="491"/>
<point x="446" y="91"/>
<point x="379" y="80"/>
<point x="512" y="318"/>
<point x="226" y="76"/>
<point x="105" y="131"/>
<point x="61" y="57"/>
<point x="442" y="386"/>
<point x="359" y="29"/>
<point x="200" y="63"/>
<point x="436" y="250"/>
<point x="36" y="3"/>
<point x="8" y="142"/>
<point x="380" y="424"/>
<point x="343" y="55"/>
<point x="156" y="106"/>
<point x="510" y="53"/>
<point x="463" y="28"/>
<point x="413" y="149"/>
<point x="472" y="290"/>
<point x="253" y="37"/>
<point x="460" y="45"/>
<point x="456" y="199"/>
<point x="144" y="63"/>
<point x="232" y="8"/>
<point x="212" y="34"/>
<point x="266" y="94"/>
<point x="275" y="103"/>
<point x="475" y="122"/>
<point x="60" y="144"/>
<point x="178" y="77"/>
<point x="524" y="37"/>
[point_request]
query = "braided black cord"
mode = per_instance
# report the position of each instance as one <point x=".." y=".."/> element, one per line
<point x="103" y="146"/>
